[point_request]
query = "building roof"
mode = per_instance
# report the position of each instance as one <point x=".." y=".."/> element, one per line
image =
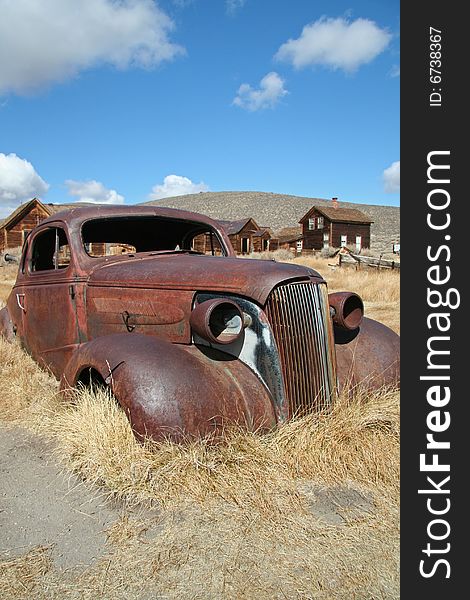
<point x="23" y="208"/>
<point x="339" y="215"/>
<point x="263" y="231"/>
<point x="234" y="227"/>
<point x="289" y="234"/>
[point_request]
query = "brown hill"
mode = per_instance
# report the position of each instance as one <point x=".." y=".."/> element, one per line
<point x="281" y="210"/>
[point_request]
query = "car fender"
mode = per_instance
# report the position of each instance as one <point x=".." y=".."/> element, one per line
<point x="368" y="356"/>
<point x="167" y="389"/>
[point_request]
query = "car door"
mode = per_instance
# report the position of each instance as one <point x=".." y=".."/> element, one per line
<point x="47" y="299"/>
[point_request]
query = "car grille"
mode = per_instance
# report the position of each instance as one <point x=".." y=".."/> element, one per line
<point x="300" y="319"/>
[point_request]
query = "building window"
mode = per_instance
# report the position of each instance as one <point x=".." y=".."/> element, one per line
<point x="299" y="246"/>
<point x="344" y="241"/>
<point x="358" y="243"/>
<point x="320" y="223"/>
<point x="326" y="240"/>
<point x="311" y="224"/>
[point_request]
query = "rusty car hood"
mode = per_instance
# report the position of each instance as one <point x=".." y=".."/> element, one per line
<point x="251" y="278"/>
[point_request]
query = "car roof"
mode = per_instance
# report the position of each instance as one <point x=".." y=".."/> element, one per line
<point x="77" y="215"/>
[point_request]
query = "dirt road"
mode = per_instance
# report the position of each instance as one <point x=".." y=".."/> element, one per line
<point x="41" y="506"/>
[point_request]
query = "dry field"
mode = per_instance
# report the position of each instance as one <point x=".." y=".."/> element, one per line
<point x="307" y="511"/>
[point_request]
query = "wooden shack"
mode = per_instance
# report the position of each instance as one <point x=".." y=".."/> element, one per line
<point x="262" y="239"/>
<point x="241" y="234"/>
<point x="245" y="236"/>
<point x="289" y="238"/>
<point x="16" y="227"/>
<point x="333" y="227"/>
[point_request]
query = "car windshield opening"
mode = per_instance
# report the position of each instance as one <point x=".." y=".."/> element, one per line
<point x="114" y="236"/>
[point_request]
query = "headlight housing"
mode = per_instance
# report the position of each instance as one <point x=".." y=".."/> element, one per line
<point x="348" y="310"/>
<point x="218" y="321"/>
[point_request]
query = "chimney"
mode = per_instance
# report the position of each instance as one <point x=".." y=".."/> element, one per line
<point x="335" y="202"/>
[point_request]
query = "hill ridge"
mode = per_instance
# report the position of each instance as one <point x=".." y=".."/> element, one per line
<point x="270" y="209"/>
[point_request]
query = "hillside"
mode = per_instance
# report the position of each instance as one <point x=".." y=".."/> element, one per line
<point x="282" y="210"/>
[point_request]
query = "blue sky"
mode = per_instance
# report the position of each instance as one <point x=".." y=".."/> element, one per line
<point x="106" y="102"/>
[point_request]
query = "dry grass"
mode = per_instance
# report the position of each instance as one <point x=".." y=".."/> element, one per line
<point x="238" y="518"/>
<point x="235" y="520"/>
<point x="7" y="279"/>
<point x="379" y="289"/>
<point x="371" y="284"/>
<point x="357" y="441"/>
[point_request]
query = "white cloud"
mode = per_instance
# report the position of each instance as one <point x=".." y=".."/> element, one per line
<point x="271" y="89"/>
<point x="232" y="6"/>
<point x="19" y="182"/>
<point x="54" y="40"/>
<point x="395" y="71"/>
<point x="93" y="191"/>
<point x="336" y="44"/>
<point x="176" y="185"/>
<point x="391" y="178"/>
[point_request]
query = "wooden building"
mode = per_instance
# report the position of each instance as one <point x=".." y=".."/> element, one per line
<point x="289" y="238"/>
<point x="241" y="234"/>
<point x="245" y="236"/>
<point x="333" y="227"/>
<point x="262" y="239"/>
<point x="16" y="227"/>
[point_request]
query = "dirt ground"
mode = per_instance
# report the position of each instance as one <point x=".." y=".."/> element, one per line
<point x="45" y="514"/>
<point x="41" y="506"/>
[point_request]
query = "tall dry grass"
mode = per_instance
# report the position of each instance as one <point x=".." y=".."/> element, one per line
<point x="357" y="439"/>
<point x="240" y="519"/>
<point x="379" y="289"/>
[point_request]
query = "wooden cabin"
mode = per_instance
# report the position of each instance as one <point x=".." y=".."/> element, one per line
<point x="290" y="238"/>
<point x="262" y="239"/>
<point x="245" y="236"/>
<point x="333" y="227"/>
<point x="241" y="234"/>
<point x="16" y="227"/>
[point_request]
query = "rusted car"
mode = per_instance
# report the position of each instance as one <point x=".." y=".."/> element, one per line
<point x="187" y="341"/>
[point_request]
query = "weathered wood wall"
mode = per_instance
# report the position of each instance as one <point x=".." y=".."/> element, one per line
<point x="313" y="238"/>
<point x="13" y="237"/>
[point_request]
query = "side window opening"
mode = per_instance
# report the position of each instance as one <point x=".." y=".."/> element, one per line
<point x="51" y="250"/>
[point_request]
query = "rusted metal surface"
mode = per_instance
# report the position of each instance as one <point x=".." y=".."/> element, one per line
<point x="251" y="278"/>
<point x="219" y="321"/>
<point x="368" y="356"/>
<point x="188" y="343"/>
<point x="299" y="316"/>
<point x="348" y="310"/>
<point x="171" y="390"/>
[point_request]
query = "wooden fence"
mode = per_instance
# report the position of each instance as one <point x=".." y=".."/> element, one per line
<point x="367" y="261"/>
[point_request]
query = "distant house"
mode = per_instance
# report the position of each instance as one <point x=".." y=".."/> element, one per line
<point x="290" y="238"/>
<point x="245" y="236"/>
<point x="262" y="239"/>
<point x="16" y="227"/>
<point x="335" y="227"/>
<point x="241" y="234"/>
